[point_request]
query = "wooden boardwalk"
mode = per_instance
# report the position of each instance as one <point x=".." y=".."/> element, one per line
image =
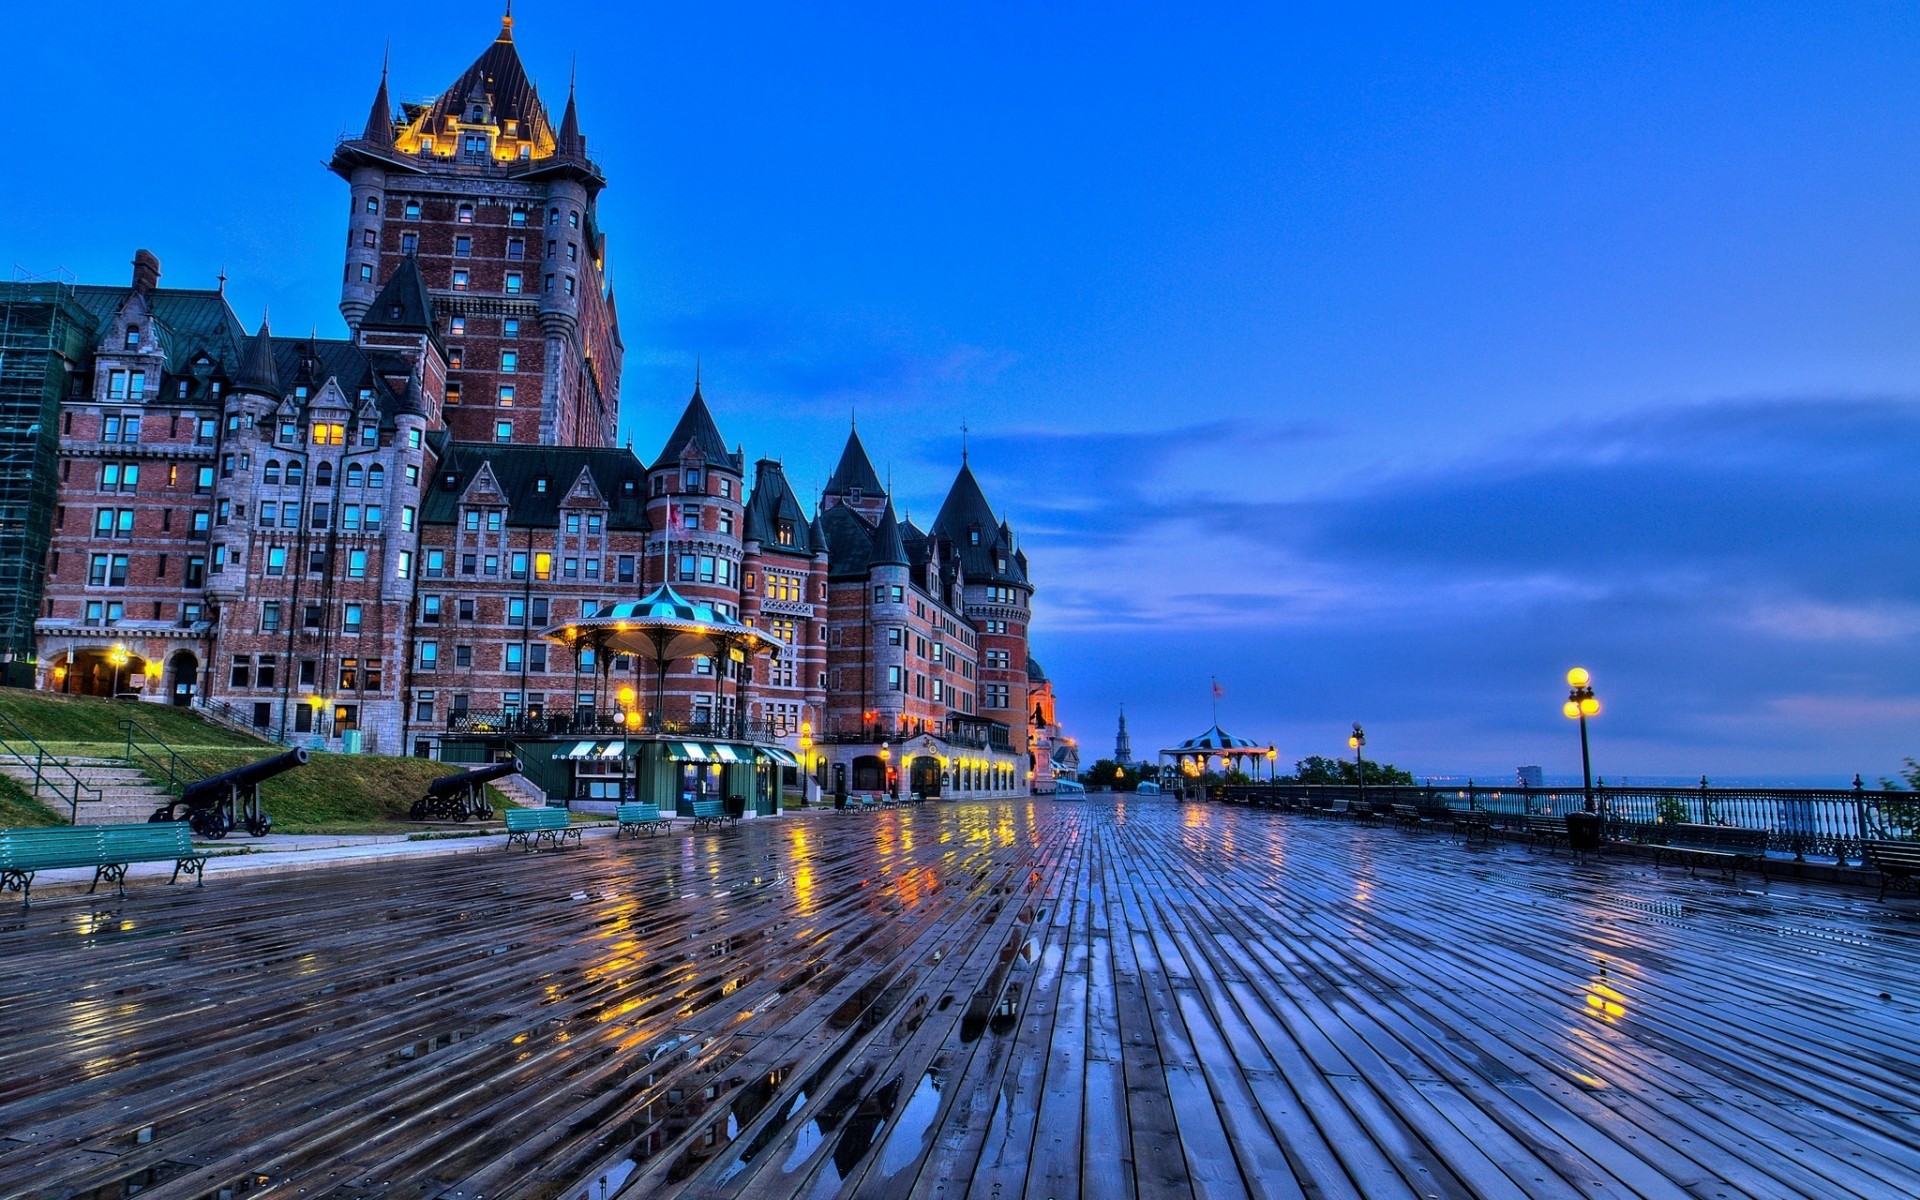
<point x="967" y="1002"/>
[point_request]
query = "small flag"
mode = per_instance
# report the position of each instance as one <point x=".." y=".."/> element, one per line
<point x="1218" y="691"/>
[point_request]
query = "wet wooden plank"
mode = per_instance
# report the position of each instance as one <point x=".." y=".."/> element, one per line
<point x="1217" y="1001"/>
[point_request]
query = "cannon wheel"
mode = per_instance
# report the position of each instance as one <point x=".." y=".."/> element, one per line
<point x="260" y="826"/>
<point x="418" y="812"/>
<point x="212" y="823"/>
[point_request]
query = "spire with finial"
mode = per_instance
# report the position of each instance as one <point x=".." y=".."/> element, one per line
<point x="569" y="140"/>
<point x="963" y="443"/>
<point x="379" y="128"/>
<point x="506" y="24"/>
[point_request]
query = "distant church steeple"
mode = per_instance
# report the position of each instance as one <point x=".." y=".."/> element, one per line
<point x="1122" y="744"/>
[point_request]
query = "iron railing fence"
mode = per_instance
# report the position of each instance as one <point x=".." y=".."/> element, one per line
<point x="587" y="723"/>
<point x="1800" y="822"/>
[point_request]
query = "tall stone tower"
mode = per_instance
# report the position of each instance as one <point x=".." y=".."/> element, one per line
<point x="1122" y="744"/>
<point x="498" y="208"/>
<point x="998" y="600"/>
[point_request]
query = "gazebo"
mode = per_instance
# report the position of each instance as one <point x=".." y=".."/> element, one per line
<point x="1190" y="757"/>
<point x="675" y="763"/>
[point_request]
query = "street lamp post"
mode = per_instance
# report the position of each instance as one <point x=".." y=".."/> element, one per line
<point x="1581" y="704"/>
<point x="1355" y="741"/>
<point x="119" y="657"/>
<point x="886" y="769"/>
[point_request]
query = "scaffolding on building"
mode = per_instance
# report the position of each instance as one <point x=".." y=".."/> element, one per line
<point x="45" y="335"/>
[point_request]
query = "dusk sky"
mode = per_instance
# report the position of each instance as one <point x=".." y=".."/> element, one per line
<point x="1383" y="363"/>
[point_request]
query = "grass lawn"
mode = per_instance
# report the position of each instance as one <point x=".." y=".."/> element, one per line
<point x="339" y="793"/>
<point x="18" y="808"/>
<point x="49" y="717"/>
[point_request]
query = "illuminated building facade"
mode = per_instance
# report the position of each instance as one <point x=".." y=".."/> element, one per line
<point x="368" y="541"/>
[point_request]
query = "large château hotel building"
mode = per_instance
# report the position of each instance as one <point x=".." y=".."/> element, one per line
<point x="368" y="542"/>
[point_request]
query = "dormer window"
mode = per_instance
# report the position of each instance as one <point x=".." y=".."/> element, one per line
<point x="784" y="533"/>
<point x="973" y="535"/>
<point x="540" y="485"/>
<point x="691" y="480"/>
<point x="853" y="495"/>
<point x="393" y="312"/>
<point x="133" y="337"/>
<point x="479" y="113"/>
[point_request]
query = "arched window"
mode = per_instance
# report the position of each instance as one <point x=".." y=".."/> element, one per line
<point x="273" y="471"/>
<point x="464" y="214"/>
<point x="355" y="476"/>
<point x="323" y="475"/>
<point x="295" y="472"/>
<point x="376" y="476"/>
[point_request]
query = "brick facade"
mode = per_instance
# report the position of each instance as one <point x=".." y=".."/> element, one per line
<point x="368" y="535"/>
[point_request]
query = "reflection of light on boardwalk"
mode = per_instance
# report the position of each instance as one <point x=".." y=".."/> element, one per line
<point x="1102" y="998"/>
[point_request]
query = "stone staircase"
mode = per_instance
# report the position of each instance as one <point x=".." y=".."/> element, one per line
<point x="126" y="793"/>
<point x="520" y="790"/>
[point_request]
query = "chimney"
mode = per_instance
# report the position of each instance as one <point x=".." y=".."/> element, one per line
<point x="146" y="271"/>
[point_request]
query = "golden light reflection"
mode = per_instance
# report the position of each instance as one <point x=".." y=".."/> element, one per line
<point x="1606" y="1003"/>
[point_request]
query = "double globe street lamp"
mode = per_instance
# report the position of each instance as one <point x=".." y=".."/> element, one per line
<point x="1355" y="741"/>
<point x="1581" y="704"/>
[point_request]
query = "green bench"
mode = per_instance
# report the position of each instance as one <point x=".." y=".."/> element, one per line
<point x="1472" y="823"/>
<point x="710" y="812"/>
<point x="638" y="818"/>
<point x="1406" y="816"/>
<point x="1897" y="862"/>
<point x="108" y="849"/>
<point x="532" y="826"/>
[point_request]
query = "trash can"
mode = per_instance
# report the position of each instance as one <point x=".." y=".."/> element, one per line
<point x="1583" y="831"/>
<point x="736" y="806"/>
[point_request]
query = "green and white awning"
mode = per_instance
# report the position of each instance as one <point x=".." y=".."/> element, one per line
<point x="595" y="750"/>
<point x="707" y="752"/>
<point x="778" y="755"/>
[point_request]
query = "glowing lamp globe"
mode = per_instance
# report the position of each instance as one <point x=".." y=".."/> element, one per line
<point x="1578" y="677"/>
<point x="1589" y="706"/>
<point x="1570" y="708"/>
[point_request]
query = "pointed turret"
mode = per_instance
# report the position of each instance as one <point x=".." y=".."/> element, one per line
<point x="257" y="371"/>
<point x="403" y="305"/>
<point x="379" y="130"/>
<point x="569" y="140"/>
<point x="696" y="429"/>
<point x="855" y="472"/>
<point x="889" y="548"/>
<point x="413" y="400"/>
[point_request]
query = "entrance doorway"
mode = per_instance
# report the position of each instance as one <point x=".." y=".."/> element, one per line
<point x="925" y="776"/>
<point x="185" y="671"/>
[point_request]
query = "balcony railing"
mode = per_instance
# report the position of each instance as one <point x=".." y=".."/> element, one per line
<point x="1799" y="822"/>
<point x="588" y="723"/>
<point x="975" y="734"/>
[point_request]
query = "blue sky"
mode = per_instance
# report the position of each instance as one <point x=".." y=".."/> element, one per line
<point x="1382" y="361"/>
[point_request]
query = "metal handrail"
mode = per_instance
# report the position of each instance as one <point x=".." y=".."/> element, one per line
<point x="173" y="768"/>
<point x="1798" y="821"/>
<point x="41" y="761"/>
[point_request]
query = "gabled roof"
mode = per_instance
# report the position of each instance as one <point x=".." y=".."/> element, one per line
<point x="888" y="548"/>
<point x="185" y="320"/>
<point x="855" y="471"/>
<point x="500" y="76"/>
<point x="773" y="502"/>
<point x="403" y="305"/>
<point x="696" y="428"/>
<point x="965" y="511"/>
<point x="849" y="542"/>
<point x="518" y="469"/>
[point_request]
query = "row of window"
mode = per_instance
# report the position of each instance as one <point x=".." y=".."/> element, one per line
<point x="355" y="475"/>
<point x="690" y="482"/>
<point x="513" y="285"/>
<point x="457" y="326"/>
<point x="509" y="360"/>
<point x="112" y="612"/>
<point x="110" y="570"/>
<point x="354" y="518"/>
<point x="357" y="561"/>
<point x="464" y="212"/>
<point x="523" y="564"/>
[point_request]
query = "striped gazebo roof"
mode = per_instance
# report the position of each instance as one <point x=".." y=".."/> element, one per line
<point x="1216" y="741"/>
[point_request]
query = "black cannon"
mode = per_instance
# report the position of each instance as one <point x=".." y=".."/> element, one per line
<point x="457" y="797"/>
<point x="216" y="804"/>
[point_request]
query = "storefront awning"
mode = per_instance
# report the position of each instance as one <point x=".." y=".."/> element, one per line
<point x="707" y="752"/>
<point x="586" y="750"/>
<point x="577" y="750"/>
<point x="778" y="755"/>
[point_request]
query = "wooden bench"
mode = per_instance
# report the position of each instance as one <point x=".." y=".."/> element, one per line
<point x="1550" y="832"/>
<point x="1897" y="862"/>
<point x="710" y="812"/>
<point x="1473" y="823"/>
<point x="108" y="849"/>
<point x="1725" y="848"/>
<point x="639" y="818"/>
<point x="532" y="826"/>
<point x="1406" y="816"/>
